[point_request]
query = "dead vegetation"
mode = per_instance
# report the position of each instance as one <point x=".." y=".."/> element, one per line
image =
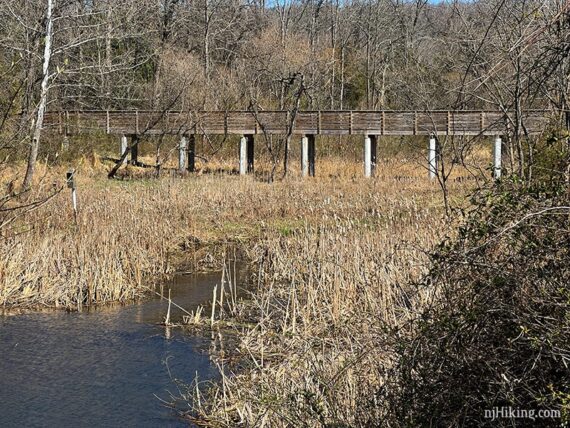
<point x="129" y="232"/>
<point x="328" y="285"/>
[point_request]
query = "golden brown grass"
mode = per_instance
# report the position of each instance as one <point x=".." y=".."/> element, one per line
<point x="325" y="299"/>
<point x="330" y="283"/>
<point x="134" y="230"/>
<point x="330" y="257"/>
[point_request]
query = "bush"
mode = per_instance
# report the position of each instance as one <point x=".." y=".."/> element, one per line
<point x="497" y="332"/>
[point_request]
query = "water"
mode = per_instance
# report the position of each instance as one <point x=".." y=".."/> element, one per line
<point x="102" y="367"/>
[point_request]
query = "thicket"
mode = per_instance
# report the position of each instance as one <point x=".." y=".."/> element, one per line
<point x="497" y="330"/>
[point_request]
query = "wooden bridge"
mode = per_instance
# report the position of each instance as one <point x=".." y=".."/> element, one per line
<point x="308" y="124"/>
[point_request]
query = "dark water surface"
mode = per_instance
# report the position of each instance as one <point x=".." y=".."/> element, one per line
<point x="100" y="368"/>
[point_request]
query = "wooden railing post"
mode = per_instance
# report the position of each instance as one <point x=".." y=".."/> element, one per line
<point x="415" y="123"/>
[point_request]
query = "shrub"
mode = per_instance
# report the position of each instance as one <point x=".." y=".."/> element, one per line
<point x="497" y="332"/>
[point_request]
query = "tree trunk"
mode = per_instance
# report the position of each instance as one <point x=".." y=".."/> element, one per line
<point x="35" y="143"/>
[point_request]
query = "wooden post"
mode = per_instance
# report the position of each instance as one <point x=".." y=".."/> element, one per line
<point x="311" y="154"/>
<point x="71" y="185"/>
<point x="432" y="157"/>
<point x="134" y="149"/>
<point x="370" y="146"/>
<point x="497" y="151"/>
<point x="182" y="148"/>
<point x="192" y="153"/>
<point x="124" y="148"/>
<point x="250" y="153"/>
<point x="243" y="155"/>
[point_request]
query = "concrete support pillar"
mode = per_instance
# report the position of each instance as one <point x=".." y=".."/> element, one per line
<point x="250" y="153"/>
<point x="304" y="156"/>
<point x="432" y="157"/>
<point x="246" y="154"/>
<point x="134" y="149"/>
<point x="308" y="156"/>
<point x="124" y="147"/>
<point x="370" y="146"/>
<point x="192" y="153"/>
<point x="182" y="149"/>
<point x="497" y="151"/>
<point x="243" y="155"/>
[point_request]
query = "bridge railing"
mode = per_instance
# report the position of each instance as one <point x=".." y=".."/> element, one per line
<point x="306" y="122"/>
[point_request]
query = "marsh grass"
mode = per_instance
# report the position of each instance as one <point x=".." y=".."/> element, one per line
<point x="328" y="256"/>
<point x="328" y="282"/>
<point x="134" y="230"/>
<point x="326" y="296"/>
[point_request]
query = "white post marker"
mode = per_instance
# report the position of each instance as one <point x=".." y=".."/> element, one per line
<point x="304" y="156"/>
<point x="124" y="147"/>
<point x="497" y="151"/>
<point x="432" y="157"/>
<point x="71" y="185"/>
<point x="243" y="155"/>
<point x="182" y="154"/>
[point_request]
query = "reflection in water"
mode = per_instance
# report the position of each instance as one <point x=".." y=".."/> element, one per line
<point x="101" y="367"/>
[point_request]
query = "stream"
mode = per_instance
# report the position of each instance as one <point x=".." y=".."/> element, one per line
<point x="102" y="367"/>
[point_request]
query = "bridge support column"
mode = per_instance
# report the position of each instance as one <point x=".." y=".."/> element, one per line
<point x="243" y="155"/>
<point x="312" y="154"/>
<point x="370" y="146"/>
<point x="192" y="153"/>
<point x="124" y="147"/>
<point x="497" y="152"/>
<point x="304" y="156"/>
<point x="246" y="154"/>
<point x="308" y="155"/>
<point x="134" y="149"/>
<point x="432" y="157"/>
<point x="250" y="153"/>
<point x="182" y="149"/>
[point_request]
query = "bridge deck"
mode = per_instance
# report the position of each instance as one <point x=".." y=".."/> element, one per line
<point x="306" y="122"/>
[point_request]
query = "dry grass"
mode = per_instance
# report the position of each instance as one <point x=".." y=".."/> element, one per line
<point x="329" y="286"/>
<point x="329" y="256"/>
<point x="134" y="230"/>
<point x="326" y="298"/>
